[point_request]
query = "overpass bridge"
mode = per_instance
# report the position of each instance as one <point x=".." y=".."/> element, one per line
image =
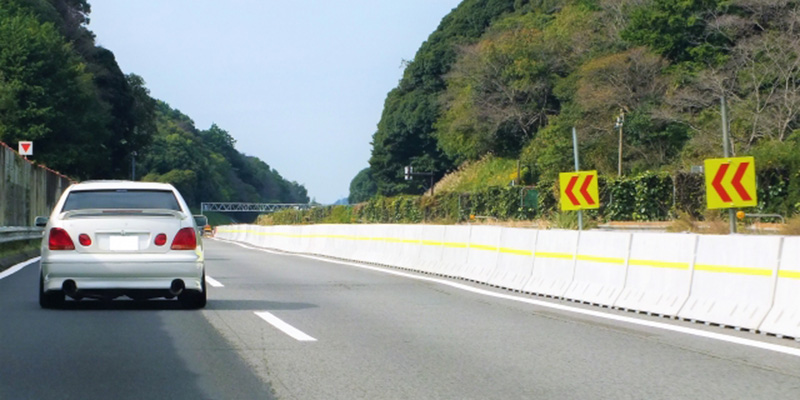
<point x="250" y="207"/>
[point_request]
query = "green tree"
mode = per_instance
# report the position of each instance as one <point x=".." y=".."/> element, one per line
<point x="362" y="187"/>
<point x="678" y="30"/>
<point x="49" y="97"/>
<point x="404" y="135"/>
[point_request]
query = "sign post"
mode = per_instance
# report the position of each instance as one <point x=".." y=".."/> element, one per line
<point x="575" y="152"/>
<point x="726" y="151"/>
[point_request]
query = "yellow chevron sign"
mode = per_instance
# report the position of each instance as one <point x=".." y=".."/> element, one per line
<point x="731" y="182"/>
<point x="578" y="190"/>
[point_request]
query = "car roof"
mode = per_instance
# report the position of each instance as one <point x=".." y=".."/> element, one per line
<point x="120" y="184"/>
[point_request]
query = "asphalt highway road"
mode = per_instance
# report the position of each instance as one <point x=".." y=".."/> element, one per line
<point x="291" y="327"/>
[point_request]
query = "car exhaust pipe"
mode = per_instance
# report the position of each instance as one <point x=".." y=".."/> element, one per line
<point x="70" y="288"/>
<point x="176" y="287"/>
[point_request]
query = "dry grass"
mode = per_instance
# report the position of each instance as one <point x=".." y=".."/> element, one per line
<point x="472" y="176"/>
<point x="792" y="226"/>
<point x="684" y="223"/>
<point x="712" y="224"/>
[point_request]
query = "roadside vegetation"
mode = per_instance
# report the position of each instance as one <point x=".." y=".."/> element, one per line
<point x="89" y="120"/>
<point x="508" y="79"/>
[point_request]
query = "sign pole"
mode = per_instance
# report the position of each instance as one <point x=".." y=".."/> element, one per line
<point x="726" y="148"/>
<point x="575" y="152"/>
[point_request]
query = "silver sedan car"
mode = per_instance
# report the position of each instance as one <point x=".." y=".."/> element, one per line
<point x="107" y="239"/>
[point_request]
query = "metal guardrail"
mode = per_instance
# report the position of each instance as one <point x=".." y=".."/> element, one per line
<point x="17" y="233"/>
<point x="250" y="207"/>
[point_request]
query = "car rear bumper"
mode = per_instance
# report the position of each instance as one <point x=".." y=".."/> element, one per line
<point x="112" y="271"/>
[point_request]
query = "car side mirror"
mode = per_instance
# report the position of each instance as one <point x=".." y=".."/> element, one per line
<point x="40" y="222"/>
<point x="200" y="221"/>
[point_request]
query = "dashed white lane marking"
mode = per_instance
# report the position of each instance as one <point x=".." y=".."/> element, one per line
<point x="284" y="327"/>
<point x="792" y="351"/>
<point x="213" y="282"/>
<point x="18" y="267"/>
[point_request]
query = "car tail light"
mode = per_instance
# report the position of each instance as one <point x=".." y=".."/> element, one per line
<point x="84" y="240"/>
<point x="185" y="239"/>
<point x="60" y="240"/>
<point x="161" y="239"/>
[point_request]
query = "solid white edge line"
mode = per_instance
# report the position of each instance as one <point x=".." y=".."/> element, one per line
<point x="13" y="269"/>
<point x="792" y="351"/>
<point x="284" y="327"/>
<point x="213" y="282"/>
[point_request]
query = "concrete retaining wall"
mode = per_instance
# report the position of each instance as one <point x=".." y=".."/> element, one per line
<point x="26" y="190"/>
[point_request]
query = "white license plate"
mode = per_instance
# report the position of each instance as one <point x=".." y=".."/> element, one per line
<point x="123" y="243"/>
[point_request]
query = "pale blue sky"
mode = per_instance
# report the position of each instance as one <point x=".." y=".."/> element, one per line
<point x="299" y="84"/>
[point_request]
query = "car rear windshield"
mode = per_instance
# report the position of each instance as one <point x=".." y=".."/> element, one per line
<point x="121" y="199"/>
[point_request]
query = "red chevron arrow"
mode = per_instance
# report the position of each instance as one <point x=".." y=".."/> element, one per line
<point x="717" y="183"/>
<point x="568" y="191"/>
<point x="25" y="147"/>
<point x="585" y="192"/>
<point x="737" y="181"/>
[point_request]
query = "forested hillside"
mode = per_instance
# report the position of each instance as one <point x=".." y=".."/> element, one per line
<point x="512" y="77"/>
<point x="89" y="120"/>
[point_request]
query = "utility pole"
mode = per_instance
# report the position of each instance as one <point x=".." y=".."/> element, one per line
<point x="618" y="124"/>
<point x="726" y="148"/>
<point x="575" y="153"/>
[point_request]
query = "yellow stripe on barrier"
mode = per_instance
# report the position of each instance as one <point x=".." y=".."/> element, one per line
<point x="410" y="241"/>
<point x="456" y="245"/>
<point x="607" y="260"/>
<point x="659" y="264"/>
<point x="733" y="270"/>
<point x="515" y="251"/>
<point x="544" y="254"/>
<point x="431" y="243"/>
<point x="394" y="240"/>
<point x="483" y="247"/>
<point x="789" y="274"/>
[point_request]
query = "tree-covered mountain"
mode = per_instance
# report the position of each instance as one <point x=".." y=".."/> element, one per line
<point x="512" y="77"/>
<point x="205" y="166"/>
<point x="89" y="120"/>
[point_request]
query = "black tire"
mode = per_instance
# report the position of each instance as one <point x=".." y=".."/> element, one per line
<point x="51" y="299"/>
<point x="192" y="299"/>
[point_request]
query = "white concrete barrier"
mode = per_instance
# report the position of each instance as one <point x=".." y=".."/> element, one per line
<point x="344" y="240"/>
<point x="271" y="237"/>
<point x="246" y="234"/>
<point x="600" y="267"/>
<point x="322" y="242"/>
<point x="743" y="281"/>
<point x="659" y="273"/>
<point x="260" y="236"/>
<point x="734" y="280"/>
<point x="784" y="318"/>
<point x="405" y="243"/>
<point x="393" y="236"/>
<point x="240" y="233"/>
<point x="305" y="239"/>
<point x="293" y="239"/>
<point x="455" y="250"/>
<point x="483" y="253"/>
<point x="554" y="264"/>
<point x="371" y="246"/>
<point x="515" y="258"/>
<point x="432" y="250"/>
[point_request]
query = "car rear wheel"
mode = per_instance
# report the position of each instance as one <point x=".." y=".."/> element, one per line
<point x="192" y="299"/>
<point x="51" y="299"/>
